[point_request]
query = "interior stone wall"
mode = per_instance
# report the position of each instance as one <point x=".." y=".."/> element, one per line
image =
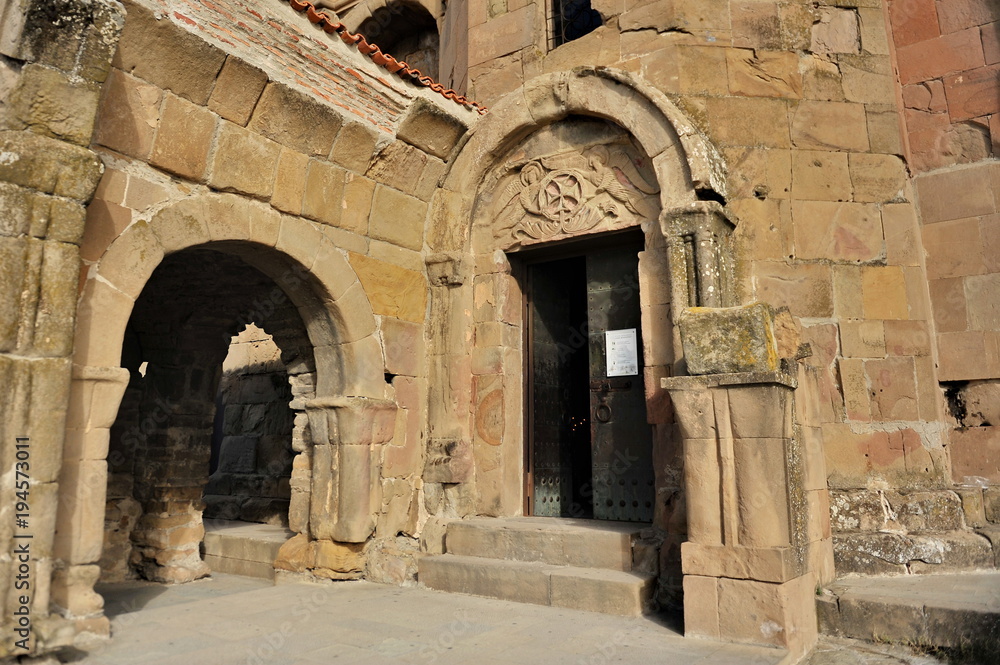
<point x="252" y="452"/>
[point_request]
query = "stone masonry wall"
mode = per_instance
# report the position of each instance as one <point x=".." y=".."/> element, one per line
<point x="182" y="116"/>
<point x="948" y="57"/>
<point x="50" y="78"/>
<point x="252" y="442"/>
<point x="800" y="98"/>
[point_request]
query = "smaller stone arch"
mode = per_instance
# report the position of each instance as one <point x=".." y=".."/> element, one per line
<point x="350" y="386"/>
<point x="407" y="29"/>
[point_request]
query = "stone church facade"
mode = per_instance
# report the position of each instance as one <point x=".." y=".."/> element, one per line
<point x="723" y="270"/>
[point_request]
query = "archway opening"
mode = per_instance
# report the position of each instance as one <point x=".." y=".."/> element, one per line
<point x="208" y="330"/>
<point x="408" y="32"/>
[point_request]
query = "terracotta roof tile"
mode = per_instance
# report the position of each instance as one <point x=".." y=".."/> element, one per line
<point x="381" y="59"/>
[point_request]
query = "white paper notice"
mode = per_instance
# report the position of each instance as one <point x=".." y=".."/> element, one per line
<point x="622" y="352"/>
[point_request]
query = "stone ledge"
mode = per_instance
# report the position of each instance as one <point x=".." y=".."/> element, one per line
<point x="701" y="382"/>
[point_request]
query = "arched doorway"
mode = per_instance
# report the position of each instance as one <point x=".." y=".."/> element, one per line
<point x="560" y="171"/>
<point x="350" y="388"/>
<point x="161" y="446"/>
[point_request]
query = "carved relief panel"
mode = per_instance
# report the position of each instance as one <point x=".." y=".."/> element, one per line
<point x="605" y="185"/>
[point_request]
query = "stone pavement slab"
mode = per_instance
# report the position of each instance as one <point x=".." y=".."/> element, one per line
<point x="229" y="620"/>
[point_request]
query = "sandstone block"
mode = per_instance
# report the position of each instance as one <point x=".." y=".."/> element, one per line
<point x="49" y="102"/>
<point x="324" y="192"/>
<point x="805" y="289"/>
<point x="13" y="257"/>
<point x="290" y="181"/>
<point x="729" y="340"/>
<point x="73" y="590"/>
<point x="184" y="138"/>
<point x="129" y="113"/>
<point x="837" y="231"/>
<point x="354" y="147"/>
<point x="763" y="74"/>
<point x="244" y="162"/>
<point x="501" y="36"/>
<point x="884" y="132"/>
<point x="868" y="79"/>
<point x="749" y="121"/>
<point x="829" y="126"/>
<point x="431" y="129"/>
<point x="836" y="31"/>
<point x="863" y="339"/>
<point x="49" y="165"/>
<point x="167" y="55"/>
<point x="393" y="291"/>
<point x="884" y="293"/>
<point x="237" y="90"/>
<point x="877" y="178"/>
<point x="702" y="70"/>
<point x="357" y="204"/>
<point x="933" y="58"/>
<point x="403" y="346"/>
<point x="57" y="300"/>
<point x="131" y="259"/>
<point x="899" y="223"/>
<point x="296" y="120"/>
<point x="936" y="193"/>
<point x="975" y="452"/>
<point x="397" y="218"/>
<point x="756" y="25"/>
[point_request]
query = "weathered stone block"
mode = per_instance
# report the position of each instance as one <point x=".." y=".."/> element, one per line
<point x="430" y="128"/>
<point x="184" y="139"/>
<point x="49" y="102"/>
<point x="729" y="340"/>
<point x="237" y="90"/>
<point x="49" y="165"/>
<point x="295" y="120"/>
<point x="448" y="461"/>
<point x="324" y="192"/>
<point x="392" y="291"/>
<point x="244" y="162"/>
<point x="129" y="113"/>
<point x="764" y="74"/>
<point x="830" y="126"/>
<point x="165" y="54"/>
<point x="290" y="181"/>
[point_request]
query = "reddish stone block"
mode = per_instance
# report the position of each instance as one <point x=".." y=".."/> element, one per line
<point x="933" y="58"/>
<point x="966" y="192"/>
<point x="948" y="304"/>
<point x="989" y="231"/>
<point x="976" y="452"/>
<point x="954" y="15"/>
<point x="913" y="21"/>
<point x="907" y="338"/>
<point x="954" y="248"/>
<point x="973" y="94"/>
<point x="991" y="42"/>
<point x="961" y="356"/>
<point x="893" y="388"/>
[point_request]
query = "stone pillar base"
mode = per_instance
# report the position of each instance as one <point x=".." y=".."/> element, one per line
<point x="781" y="614"/>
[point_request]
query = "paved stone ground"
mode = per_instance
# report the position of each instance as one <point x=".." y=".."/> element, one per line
<point x="229" y="620"/>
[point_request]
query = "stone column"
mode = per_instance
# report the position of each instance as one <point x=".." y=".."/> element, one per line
<point x="754" y="556"/>
<point x="57" y="55"/>
<point x="347" y="433"/>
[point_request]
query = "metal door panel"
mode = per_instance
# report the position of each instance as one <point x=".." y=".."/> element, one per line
<point x="621" y="439"/>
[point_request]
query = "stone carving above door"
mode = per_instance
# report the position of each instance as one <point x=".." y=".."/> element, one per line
<point x="572" y="193"/>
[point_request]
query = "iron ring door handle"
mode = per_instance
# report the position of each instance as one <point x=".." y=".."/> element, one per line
<point x="603" y="413"/>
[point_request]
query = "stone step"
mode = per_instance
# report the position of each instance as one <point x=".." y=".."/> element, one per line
<point x="959" y="611"/>
<point x="559" y="541"/>
<point x="592" y="589"/>
<point x="241" y="548"/>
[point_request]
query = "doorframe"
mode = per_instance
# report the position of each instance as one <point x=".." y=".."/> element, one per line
<point x="521" y="260"/>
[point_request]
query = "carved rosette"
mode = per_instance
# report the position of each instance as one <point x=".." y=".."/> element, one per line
<point x="600" y="188"/>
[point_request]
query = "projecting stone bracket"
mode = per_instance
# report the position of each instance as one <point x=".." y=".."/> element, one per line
<point x="347" y="435"/>
<point x="749" y="571"/>
<point x="701" y="262"/>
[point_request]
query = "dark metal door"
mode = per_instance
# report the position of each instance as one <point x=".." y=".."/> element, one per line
<point x="590" y="447"/>
<point x="621" y="439"/>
